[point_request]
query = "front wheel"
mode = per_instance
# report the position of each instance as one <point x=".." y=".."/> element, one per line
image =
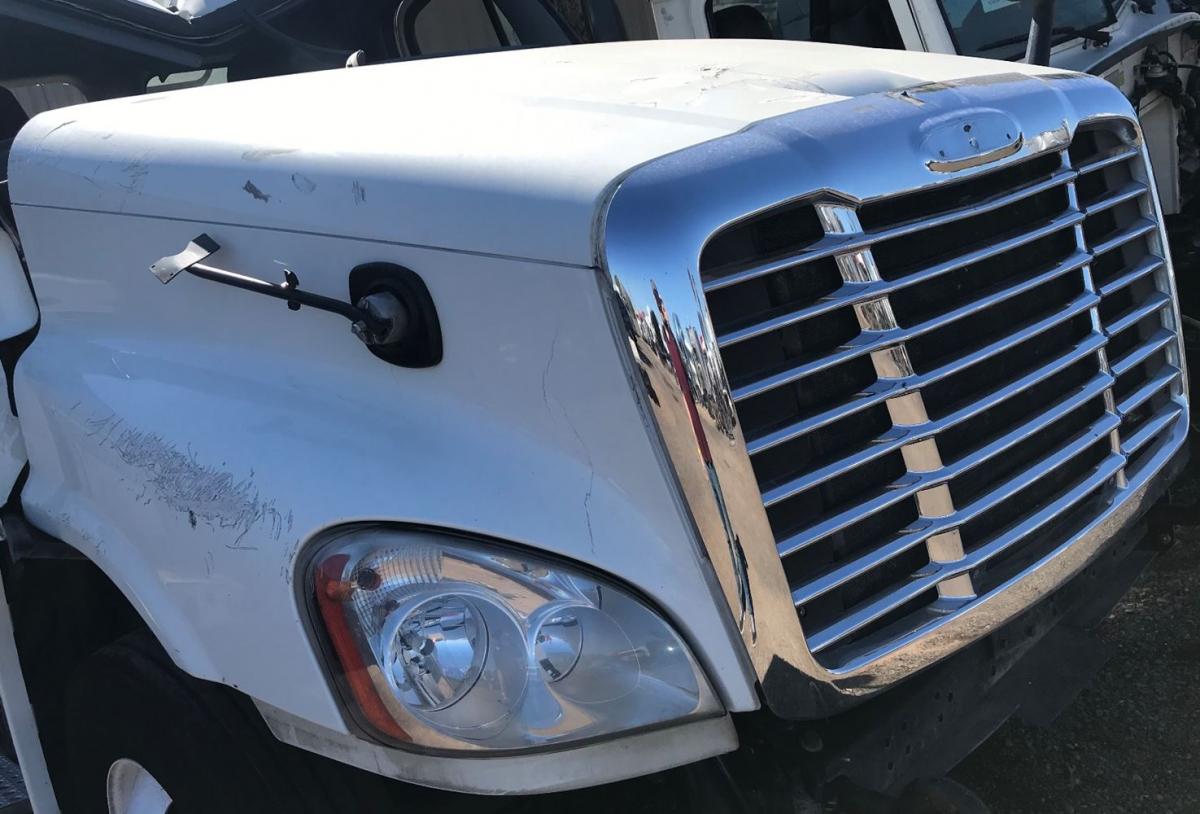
<point x="133" y="790"/>
<point x="142" y="737"/>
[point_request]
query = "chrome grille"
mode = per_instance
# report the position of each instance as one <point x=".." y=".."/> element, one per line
<point x="940" y="388"/>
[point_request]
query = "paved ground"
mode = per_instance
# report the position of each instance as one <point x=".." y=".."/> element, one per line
<point x="1131" y="742"/>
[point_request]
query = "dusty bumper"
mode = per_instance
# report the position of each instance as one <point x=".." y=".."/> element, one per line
<point x="533" y="773"/>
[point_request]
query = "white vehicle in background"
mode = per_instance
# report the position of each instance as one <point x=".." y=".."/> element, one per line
<point x="734" y="426"/>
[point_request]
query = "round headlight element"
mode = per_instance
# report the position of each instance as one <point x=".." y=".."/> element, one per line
<point x="435" y="652"/>
<point x="451" y="644"/>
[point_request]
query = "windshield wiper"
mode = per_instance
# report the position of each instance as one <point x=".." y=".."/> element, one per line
<point x="1059" y="33"/>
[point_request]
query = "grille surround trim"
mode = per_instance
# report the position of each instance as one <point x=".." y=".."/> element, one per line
<point x="652" y="265"/>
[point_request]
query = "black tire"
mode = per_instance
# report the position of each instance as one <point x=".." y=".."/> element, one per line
<point x="204" y="743"/>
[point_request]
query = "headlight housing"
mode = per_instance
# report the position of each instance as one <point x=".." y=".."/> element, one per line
<point x="445" y="643"/>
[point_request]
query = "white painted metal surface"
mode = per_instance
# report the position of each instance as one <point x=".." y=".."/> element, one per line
<point x="192" y="440"/>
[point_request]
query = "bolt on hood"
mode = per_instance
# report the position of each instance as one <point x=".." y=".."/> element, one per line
<point x="509" y="153"/>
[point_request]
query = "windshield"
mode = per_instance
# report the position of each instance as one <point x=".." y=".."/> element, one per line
<point x="999" y="29"/>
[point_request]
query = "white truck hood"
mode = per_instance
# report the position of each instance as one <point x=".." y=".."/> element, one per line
<point x="506" y="154"/>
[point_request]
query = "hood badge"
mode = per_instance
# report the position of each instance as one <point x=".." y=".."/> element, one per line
<point x="966" y="142"/>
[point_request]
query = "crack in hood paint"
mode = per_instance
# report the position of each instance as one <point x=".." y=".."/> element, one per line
<point x="507" y="154"/>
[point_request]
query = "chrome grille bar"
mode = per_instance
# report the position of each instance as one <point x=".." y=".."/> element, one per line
<point x="836" y="244"/>
<point x="882" y="391"/>
<point x="1081" y="304"/>
<point x="1151" y="305"/>
<point x="1119" y="157"/>
<point x="898" y="437"/>
<point x="1166" y="376"/>
<point x="1130" y="192"/>
<point x="1159" y="341"/>
<point x="1150" y="430"/>
<point x="825" y="638"/>
<point x="929" y="480"/>
<point x="1142" y="269"/>
<point x="1103" y="204"/>
<point x="1141" y="228"/>
<point x="839" y="576"/>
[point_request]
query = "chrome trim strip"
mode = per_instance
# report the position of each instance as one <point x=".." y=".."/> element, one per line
<point x="854" y="293"/>
<point x="1143" y="269"/>
<point x="834" y="244"/>
<point x="1131" y="192"/>
<point x="915" y="483"/>
<point x="652" y="232"/>
<point x="1164" y="378"/>
<point x="1089" y="346"/>
<point x="883" y="339"/>
<point x="970" y="162"/>
<point x="1153" y="303"/>
<point x="1157" y="341"/>
<point x="1126" y="235"/>
<point x="899" y="437"/>
<point x="1150" y="430"/>
<point x="826" y="638"/>
<point x="1128" y="154"/>
<point x="943" y="636"/>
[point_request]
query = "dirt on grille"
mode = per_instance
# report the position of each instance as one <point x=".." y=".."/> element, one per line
<point x="1131" y="741"/>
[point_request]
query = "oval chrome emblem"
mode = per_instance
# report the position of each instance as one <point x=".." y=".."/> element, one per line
<point x="971" y="139"/>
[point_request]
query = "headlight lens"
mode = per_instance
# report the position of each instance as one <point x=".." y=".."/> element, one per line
<point x="455" y="645"/>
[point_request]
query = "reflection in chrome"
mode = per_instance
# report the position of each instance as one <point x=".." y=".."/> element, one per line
<point x="920" y="457"/>
<point x="684" y="378"/>
<point x="840" y="161"/>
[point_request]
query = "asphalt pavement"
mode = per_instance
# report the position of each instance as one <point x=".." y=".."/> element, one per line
<point x="1131" y="741"/>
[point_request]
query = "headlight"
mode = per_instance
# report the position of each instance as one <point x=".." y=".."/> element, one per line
<point x="450" y="644"/>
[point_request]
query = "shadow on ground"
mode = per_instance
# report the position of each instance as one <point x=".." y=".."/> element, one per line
<point x="1131" y="741"/>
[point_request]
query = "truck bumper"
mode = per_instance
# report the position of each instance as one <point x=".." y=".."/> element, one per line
<point x="526" y="773"/>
